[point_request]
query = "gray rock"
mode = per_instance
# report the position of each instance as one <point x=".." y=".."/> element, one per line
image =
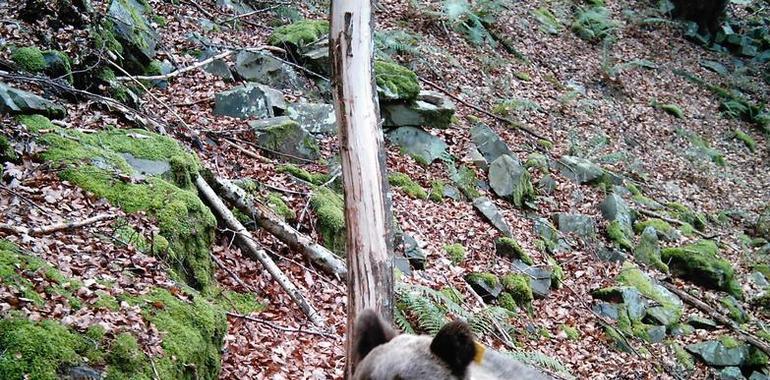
<point x="539" y="277"/>
<point x="610" y="254"/>
<point x="486" y="291"/>
<point x="549" y="235"/>
<point x="702" y="323"/>
<point x="315" y="56"/>
<point x="286" y="138"/>
<point x="133" y="30"/>
<point x="547" y="184"/>
<point x="681" y="329"/>
<point x="217" y="67"/>
<point x="511" y="180"/>
<point x="731" y="373"/>
<point x="655" y="334"/>
<point x="614" y="208"/>
<point x="413" y="252"/>
<point x="605" y="309"/>
<point x="267" y="69"/>
<point x="82" y="372"/>
<point x="15" y="101"/>
<point x="489" y="143"/>
<point x="581" y="225"/>
<point x="431" y="109"/>
<point x="474" y="156"/>
<point x="452" y="193"/>
<point x="759" y="279"/>
<point x="648" y="250"/>
<point x="662" y="316"/>
<point x="143" y="167"/>
<point x="418" y="143"/>
<point x="402" y="264"/>
<point x="580" y="170"/>
<point x="490" y="211"/>
<point x="249" y="100"/>
<point x="316" y="118"/>
<point x="758" y="376"/>
<point x="716" y="353"/>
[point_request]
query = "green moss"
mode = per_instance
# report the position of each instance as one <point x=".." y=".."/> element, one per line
<point x="673" y="110"/>
<point x="538" y="161"/>
<point x="106" y="301"/>
<point x="407" y="185"/>
<point x="508" y="247"/>
<point x="453" y="294"/>
<point x="242" y="303"/>
<point x="571" y="332"/>
<point x="104" y="38"/>
<point x="762" y="268"/>
<point x="395" y="81"/>
<point x="299" y="33"/>
<point x="35" y="123"/>
<point x="7" y="153"/>
<point x="488" y="278"/>
<point x="557" y="273"/>
<point x="456" y="252"/>
<point x="128" y="235"/>
<point x="523" y="76"/>
<point x="756" y="359"/>
<point x="280" y="207"/>
<point x="437" y="191"/>
<point x="633" y="189"/>
<point x="90" y="161"/>
<point x="746" y="140"/>
<point x="519" y="288"/>
<point x="617" y="233"/>
<point x="36" y="350"/>
<point x="631" y="275"/>
<point x="734" y="310"/>
<point x="701" y="264"/>
<point x="29" y="59"/>
<point x="687" y="229"/>
<point x="466" y="182"/>
<point x="125" y="355"/>
<point x="329" y="208"/>
<point x="617" y="337"/>
<point x="192" y="331"/>
<point x="16" y="269"/>
<point x="314" y="178"/>
<point x="505" y="300"/>
<point x="685" y="214"/>
<point x="662" y="227"/>
<point x="684" y="358"/>
<point x="545" y="144"/>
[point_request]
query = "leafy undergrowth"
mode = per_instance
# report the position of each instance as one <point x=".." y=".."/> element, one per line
<point x="596" y="81"/>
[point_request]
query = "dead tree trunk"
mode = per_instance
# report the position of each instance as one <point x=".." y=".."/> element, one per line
<point x="367" y="212"/>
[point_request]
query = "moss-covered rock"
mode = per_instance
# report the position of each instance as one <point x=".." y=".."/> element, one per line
<point x="329" y="208"/>
<point x="280" y="207"/>
<point x="437" y="191"/>
<point x="408" y="185"/>
<point x="510" y="248"/>
<point x="314" y="178"/>
<point x="557" y="273"/>
<point x="648" y="250"/>
<point x="506" y="301"/>
<point x="617" y="234"/>
<point x="29" y="59"/>
<point x="700" y="263"/>
<point x="34" y="123"/>
<point x="395" y="82"/>
<point x="97" y="163"/>
<point x="485" y="284"/>
<point x="456" y="252"/>
<point x="299" y="33"/>
<point x="734" y="309"/>
<point x="671" y="307"/>
<point x="662" y="228"/>
<point x="687" y="215"/>
<point x="519" y="288"/>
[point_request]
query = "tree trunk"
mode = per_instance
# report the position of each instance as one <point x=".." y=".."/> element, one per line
<point x="367" y="212"/>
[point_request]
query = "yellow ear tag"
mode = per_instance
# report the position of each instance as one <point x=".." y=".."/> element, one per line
<point x="479" y="352"/>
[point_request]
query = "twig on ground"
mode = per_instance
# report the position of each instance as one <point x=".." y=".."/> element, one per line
<point x="247" y="14"/>
<point x="232" y="274"/>
<point x="25" y="199"/>
<point x="181" y="71"/>
<point x="279" y="327"/>
<point x="55" y="227"/>
<point x="248" y="152"/>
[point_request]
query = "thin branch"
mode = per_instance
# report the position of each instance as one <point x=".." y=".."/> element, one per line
<point x="248" y="152"/>
<point x="247" y="14"/>
<point x="281" y="328"/>
<point x="485" y="112"/>
<point x="232" y="274"/>
<point x="55" y="227"/>
<point x="180" y="71"/>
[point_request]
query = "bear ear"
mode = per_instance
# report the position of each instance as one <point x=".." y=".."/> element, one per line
<point x="454" y="345"/>
<point x="370" y="332"/>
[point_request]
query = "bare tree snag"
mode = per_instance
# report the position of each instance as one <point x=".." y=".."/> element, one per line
<point x="250" y="248"/>
<point x="367" y="213"/>
<point x="267" y="219"/>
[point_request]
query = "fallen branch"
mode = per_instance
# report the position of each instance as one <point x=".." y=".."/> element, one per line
<point x="180" y="71"/>
<point x="249" y="247"/>
<point x="485" y="112"/>
<point x="55" y="227"/>
<point x="281" y="328"/>
<point x="232" y="274"/>
<point x="716" y="314"/>
<point x="266" y="218"/>
<point x="247" y="14"/>
<point x="247" y="152"/>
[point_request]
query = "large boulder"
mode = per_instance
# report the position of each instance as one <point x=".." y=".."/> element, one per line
<point x="130" y="25"/>
<point x="249" y="100"/>
<point x="670" y="306"/>
<point x="395" y="82"/>
<point x="724" y="352"/>
<point x="285" y="138"/>
<point x="421" y="145"/>
<point x="489" y="143"/>
<point x="266" y="69"/>
<point x="18" y="102"/>
<point x="583" y="226"/>
<point x="431" y="109"/>
<point x="648" y="250"/>
<point x="700" y="263"/>
<point x="493" y="214"/>
<point x="580" y="170"/>
<point x="316" y="118"/>
<point x="511" y="180"/>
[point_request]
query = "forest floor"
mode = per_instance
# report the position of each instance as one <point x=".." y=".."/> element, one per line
<point x="576" y="103"/>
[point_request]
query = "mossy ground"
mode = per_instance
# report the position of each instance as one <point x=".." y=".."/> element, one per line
<point x="700" y="263"/>
<point x="746" y="140"/>
<point x="92" y="161"/>
<point x="299" y="33"/>
<point x="29" y="59"/>
<point x="508" y="247"/>
<point x="314" y="178"/>
<point x="397" y="81"/>
<point x="687" y="215"/>
<point x="465" y="180"/>
<point x="437" y="191"/>
<point x="329" y="208"/>
<point x="571" y="332"/>
<point x="456" y="252"/>
<point x="280" y="207"/>
<point x="407" y="185"/>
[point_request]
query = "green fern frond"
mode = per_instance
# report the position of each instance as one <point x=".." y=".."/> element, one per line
<point x="541" y="360"/>
<point x="402" y="322"/>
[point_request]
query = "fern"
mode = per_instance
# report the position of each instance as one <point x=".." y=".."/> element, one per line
<point x="390" y="42"/>
<point x="402" y="322"/>
<point x="541" y="360"/>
